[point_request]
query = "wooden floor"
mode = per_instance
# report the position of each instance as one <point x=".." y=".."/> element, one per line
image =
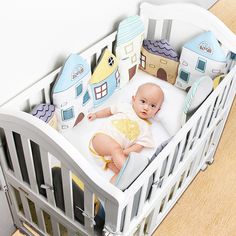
<point x="208" y="207"/>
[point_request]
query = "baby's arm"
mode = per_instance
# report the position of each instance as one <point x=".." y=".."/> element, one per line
<point x="100" y="114"/>
<point x="133" y="148"/>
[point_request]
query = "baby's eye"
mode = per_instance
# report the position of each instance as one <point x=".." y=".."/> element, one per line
<point x="142" y="101"/>
<point x="153" y="106"/>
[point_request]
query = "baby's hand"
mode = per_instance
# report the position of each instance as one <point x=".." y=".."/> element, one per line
<point x="91" y="116"/>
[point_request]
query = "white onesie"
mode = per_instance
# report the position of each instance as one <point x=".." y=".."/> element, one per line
<point x="126" y="128"/>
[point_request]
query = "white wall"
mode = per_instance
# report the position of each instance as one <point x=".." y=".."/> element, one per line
<point x="37" y="36"/>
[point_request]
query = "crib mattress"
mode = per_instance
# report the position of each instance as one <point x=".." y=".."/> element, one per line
<point x="80" y="135"/>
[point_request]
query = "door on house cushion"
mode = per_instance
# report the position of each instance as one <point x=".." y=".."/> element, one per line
<point x="132" y="71"/>
<point x="161" y="74"/>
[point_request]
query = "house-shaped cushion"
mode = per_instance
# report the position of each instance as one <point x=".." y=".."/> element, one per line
<point x="46" y="113"/>
<point x="105" y="78"/>
<point x="197" y="94"/>
<point x="130" y="35"/>
<point x="200" y="56"/>
<point x="70" y="93"/>
<point x="158" y="58"/>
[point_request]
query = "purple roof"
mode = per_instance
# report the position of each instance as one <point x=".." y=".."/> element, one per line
<point x="44" y="112"/>
<point x="161" y="48"/>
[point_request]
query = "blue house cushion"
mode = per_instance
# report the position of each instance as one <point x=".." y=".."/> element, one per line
<point x="200" y="56"/>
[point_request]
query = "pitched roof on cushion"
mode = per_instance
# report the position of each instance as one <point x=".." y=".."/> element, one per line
<point x="161" y="48"/>
<point x="128" y="29"/>
<point x="107" y="65"/>
<point x="206" y="45"/>
<point x="79" y="68"/>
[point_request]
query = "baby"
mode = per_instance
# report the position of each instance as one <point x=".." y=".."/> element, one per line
<point x="128" y="128"/>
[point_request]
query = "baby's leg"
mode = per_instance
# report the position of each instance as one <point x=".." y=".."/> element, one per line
<point x="104" y="145"/>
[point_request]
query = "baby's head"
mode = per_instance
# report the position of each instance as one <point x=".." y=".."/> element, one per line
<point x="147" y="100"/>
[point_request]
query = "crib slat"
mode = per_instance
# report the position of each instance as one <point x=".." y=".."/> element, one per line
<point x="25" y="206"/>
<point x="217" y="106"/>
<point x="142" y="197"/>
<point x="200" y="124"/>
<point x="159" y="29"/>
<point x="155" y="182"/>
<point x="113" y="216"/>
<point x="189" y="141"/>
<point x="67" y="191"/>
<point x="47" y="175"/>
<point x="224" y="96"/>
<point x="98" y="54"/>
<point x="153" y="218"/>
<point x="228" y="87"/>
<point x="14" y="205"/>
<point x="207" y="118"/>
<point x="89" y="210"/>
<point x="179" y="155"/>
<point x="167" y="170"/>
<point x="128" y="213"/>
<point x="110" y="47"/>
<point x="55" y="226"/>
<point x="141" y="228"/>
<point x="40" y="218"/>
<point x="13" y="154"/>
<point x="46" y="93"/>
<point x="29" y="163"/>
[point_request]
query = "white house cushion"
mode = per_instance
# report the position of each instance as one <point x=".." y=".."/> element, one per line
<point x="70" y="93"/>
<point x="196" y="96"/>
<point x="130" y="35"/>
<point x="200" y="56"/>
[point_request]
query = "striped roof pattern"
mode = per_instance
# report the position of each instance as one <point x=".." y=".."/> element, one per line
<point x="161" y="48"/>
<point x="129" y="29"/>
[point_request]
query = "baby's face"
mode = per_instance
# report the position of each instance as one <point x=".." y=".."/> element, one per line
<point x="147" y="101"/>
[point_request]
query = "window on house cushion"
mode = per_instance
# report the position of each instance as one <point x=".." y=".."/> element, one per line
<point x="129" y="48"/>
<point x="86" y="97"/>
<point x="68" y="114"/>
<point x="143" y="61"/>
<point x="101" y="91"/>
<point x="184" y="75"/>
<point x="117" y="78"/>
<point x="201" y="65"/>
<point x="79" y="90"/>
<point x="111" y="61"/>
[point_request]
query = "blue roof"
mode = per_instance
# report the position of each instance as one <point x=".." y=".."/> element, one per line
<point x="74" y="69"/>
<point x="129" y="29"/>
<point x="206" y="45"/>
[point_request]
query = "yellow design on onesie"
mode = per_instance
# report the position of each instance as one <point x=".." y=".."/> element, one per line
<point x="128" y="127"/>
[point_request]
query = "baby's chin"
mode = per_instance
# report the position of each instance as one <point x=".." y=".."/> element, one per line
<point x="143" y="115"/>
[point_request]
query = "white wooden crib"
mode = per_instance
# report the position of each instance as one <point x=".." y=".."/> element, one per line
<point x="193" y="147"/>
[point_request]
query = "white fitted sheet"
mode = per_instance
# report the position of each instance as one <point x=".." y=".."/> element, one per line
<point x="80" y="135"/>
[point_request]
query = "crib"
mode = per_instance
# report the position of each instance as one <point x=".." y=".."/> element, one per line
<point x="142" y="207"/>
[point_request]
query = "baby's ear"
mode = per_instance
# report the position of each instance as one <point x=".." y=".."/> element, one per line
<point x="158" y="110"/>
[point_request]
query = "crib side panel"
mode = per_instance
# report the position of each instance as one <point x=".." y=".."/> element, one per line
<point x="190" y="151"/>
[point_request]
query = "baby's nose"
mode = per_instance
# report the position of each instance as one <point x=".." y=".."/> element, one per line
<point x="145" y="106"/>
